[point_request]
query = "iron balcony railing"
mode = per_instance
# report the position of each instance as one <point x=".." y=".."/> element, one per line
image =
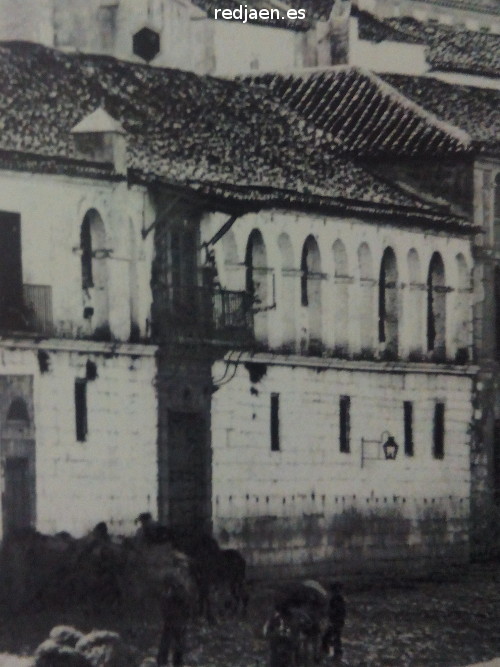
<point x="203" y="312"/>
<point x="38" y="303"/>
<point x="31" y="313"/>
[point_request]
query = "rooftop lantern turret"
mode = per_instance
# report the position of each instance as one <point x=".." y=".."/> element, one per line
<point x="101" y="138"/>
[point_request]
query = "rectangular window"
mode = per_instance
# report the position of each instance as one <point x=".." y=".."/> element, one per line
<point x="86" y="249"/>
<point x="438" y="439"/>
<point x="81" y="409"/>
<point x="11" y="280"/>
<point x="408" y="416"/>
<point x="345" y="424"/>
<point x="275" y="422"/>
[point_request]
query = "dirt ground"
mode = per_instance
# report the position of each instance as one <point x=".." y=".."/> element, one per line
<point x="448" y="623"/>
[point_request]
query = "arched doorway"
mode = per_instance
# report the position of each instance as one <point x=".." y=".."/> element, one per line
<point x="17" y="448"/>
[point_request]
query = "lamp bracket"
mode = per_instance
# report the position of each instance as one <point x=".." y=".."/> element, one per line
<point x="386" y="448"/>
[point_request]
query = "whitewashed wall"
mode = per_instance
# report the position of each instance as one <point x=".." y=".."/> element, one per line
<point x="30" y="21"/>
<point x="186" y="35"/>
<point x="284" y="301"/>
<point x="385" y="56"/>
<point x="308" y="503"/>
<point x="52" y="209"/>
<point x="112" y="476"/>
<point x="241" y="48"/>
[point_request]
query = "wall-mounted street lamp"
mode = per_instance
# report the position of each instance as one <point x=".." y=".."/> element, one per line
<point x="386" y="448"/>
<point x="390" y="448"/>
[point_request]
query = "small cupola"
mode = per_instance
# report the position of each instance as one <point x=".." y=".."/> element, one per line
<point x="101" y="138"/>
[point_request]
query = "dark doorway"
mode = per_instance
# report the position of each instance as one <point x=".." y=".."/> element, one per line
<point x="11" y="282"/>
<point x="17" y="452"/>
<point x="16" y="501"/>
<point x="186" y="483"/>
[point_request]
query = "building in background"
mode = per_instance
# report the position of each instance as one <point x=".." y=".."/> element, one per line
<point x="472" y="14"/>
<point x="404" y="44"/>
<point x="183" y="33"/>
<point x="455" y="40"/>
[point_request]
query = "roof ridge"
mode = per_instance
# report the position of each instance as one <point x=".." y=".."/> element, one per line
<point x="394" y="93"/>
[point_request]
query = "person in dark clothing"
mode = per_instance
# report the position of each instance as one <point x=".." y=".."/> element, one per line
<point x="332" y="638"/>
<point x="176" y="608"/>
<point x="279" y="632"/>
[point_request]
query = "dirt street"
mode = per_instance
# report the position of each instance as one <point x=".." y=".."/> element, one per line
<point x="449" y="623"/>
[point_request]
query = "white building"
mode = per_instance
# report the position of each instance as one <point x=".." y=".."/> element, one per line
<point x="304" y="313"/>
<point x="342" y="314"/>
<point x="78" y="404"/>
<point x="182" y="33"/>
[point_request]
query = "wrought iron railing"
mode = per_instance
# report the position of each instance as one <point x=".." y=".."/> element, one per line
<point x="30" y="314"/>
<point x="38" y="305"/>
<point x="203" y="312"/>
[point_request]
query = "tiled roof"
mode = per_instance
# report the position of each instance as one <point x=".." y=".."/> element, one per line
<point x="374" y="29"/>
<point x="486" y="6"/>
<point x="186" y="130"/>
<point x="364" y="115"/>
<point x="449" y="48"/>
<point x="475" y="110"/>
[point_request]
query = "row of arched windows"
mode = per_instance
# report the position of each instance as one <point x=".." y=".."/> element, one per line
<point x="425" y="295"/>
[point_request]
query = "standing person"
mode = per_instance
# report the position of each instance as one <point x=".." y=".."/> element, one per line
<point x="176" y="609"/>
<point x="282" y="642"/>
<point x="336" y="620"/>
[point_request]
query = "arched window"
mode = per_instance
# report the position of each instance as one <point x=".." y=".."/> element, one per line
<point x="94" y="268"/>
<point x="436" y="305"/>
<point x="388" y="302"/>
<point x="415" y="303"/>
<point x="366" y="318"/>
<point x="286" y="300"/>
<point x="341" y="296"/>
<point x="256" y="282"/>
<point x="310" y="283"/>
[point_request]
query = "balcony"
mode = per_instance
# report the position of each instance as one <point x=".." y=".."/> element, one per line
<point x="203" y="313"/>
<point x="31" y="314"/>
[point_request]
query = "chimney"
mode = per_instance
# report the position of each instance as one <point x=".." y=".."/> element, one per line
<point x="101" y="138"/>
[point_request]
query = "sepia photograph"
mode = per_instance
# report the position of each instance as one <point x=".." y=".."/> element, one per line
<point x="250" y="333"/>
